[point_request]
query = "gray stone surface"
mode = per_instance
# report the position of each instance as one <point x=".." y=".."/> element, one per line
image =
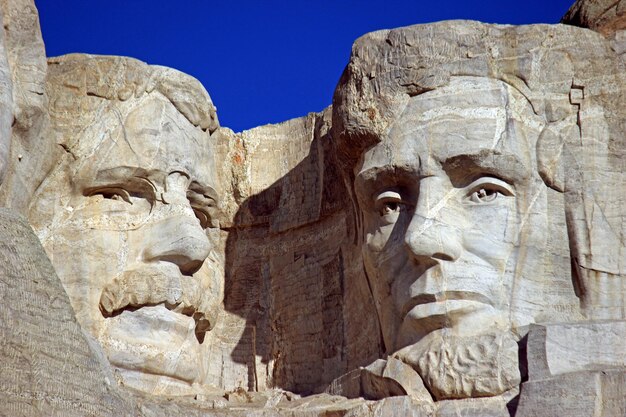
<point x="604" y="16"/>
<point x="25" y="117"/>
<point x="473" y="157"/>
<point x="49" y="366"/>
<point x="560" y="348"/>
<point x="448" y="239"/>
<point x="577" y="394"/>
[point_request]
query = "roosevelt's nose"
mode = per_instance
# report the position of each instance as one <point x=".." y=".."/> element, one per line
<point x="178" y="239"/>
<point x="435" y="229"/>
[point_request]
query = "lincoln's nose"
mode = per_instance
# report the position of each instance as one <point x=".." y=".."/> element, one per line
<point x="178" y="239"/>
<point x="430" y="238"/>
<point x="434" y="232"/>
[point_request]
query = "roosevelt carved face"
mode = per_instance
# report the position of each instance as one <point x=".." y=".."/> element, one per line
<point x="132" y="239"/>
<point x="452" y="208"/>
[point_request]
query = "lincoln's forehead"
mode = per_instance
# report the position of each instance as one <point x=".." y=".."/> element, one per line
<point x="462" y="93"/>
<point x="470" y="116"/>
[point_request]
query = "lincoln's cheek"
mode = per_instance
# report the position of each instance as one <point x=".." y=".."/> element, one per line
<point x="376" y="242"/>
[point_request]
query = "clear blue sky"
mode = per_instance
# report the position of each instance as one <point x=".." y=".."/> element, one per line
<point x="261" y="61"/>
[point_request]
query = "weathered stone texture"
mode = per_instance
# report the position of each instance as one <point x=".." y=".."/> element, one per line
<point x="49" y="366"/>
<point x="471" y="150"/>
<point x="447" y="239"/>
<point x="575" y="369"/>
<point x="25" y="118"/>
<point x="560" y="348"/>
<point x="577" y="394"/>
<point x="604" y="16"/>
<point x="292" y="271"/>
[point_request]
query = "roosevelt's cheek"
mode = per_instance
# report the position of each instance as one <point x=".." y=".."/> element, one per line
<point x="85" y="261"/>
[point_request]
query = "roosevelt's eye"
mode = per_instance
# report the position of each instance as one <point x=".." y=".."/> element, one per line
<point x="487" y="189"/>
<point x="203" y="216"/>
<point x="134" y="187"/>
<point x="111" y="193"/>
<point x="203" y="207"/>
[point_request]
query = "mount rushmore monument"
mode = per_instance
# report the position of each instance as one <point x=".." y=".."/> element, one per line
<point x="448" y="238"/>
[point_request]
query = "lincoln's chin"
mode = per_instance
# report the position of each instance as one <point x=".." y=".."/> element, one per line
<point x="454" y="367"/>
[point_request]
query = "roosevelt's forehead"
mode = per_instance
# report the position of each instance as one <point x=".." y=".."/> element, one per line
<point x="469" y="116"/>
<point x="152" y="136"/>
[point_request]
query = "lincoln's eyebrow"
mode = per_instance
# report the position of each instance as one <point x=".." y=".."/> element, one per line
<point x="462" y="169"/>
<point x="371" y="174"/>
<point x="404" y="179"/>
<point x="465" y="168"/>
<point x="392" y="172"/>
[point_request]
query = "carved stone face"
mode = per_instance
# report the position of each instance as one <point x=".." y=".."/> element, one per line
<point x="131" y="242"/>
<point x="451" y="205"/>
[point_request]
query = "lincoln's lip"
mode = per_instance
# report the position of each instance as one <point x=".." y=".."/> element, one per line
<point x="157" y="284"/>
<point x="443" y="296"/>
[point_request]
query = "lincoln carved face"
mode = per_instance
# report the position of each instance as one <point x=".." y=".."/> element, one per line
<point x="451" y="205"/>
<point x="133" y="240"/>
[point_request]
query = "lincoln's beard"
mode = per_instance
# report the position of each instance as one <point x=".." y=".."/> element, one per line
<point x="455" y="367"/>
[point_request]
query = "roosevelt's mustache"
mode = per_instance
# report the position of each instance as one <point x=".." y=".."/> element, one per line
<point x="155" y="284"/>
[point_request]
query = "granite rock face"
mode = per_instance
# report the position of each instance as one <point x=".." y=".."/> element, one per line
<point x="50" y="366"/>
<point x="26" y="141"/>
<point x="605" y="16"/>
<point x="291" y="270"/>
<point x="134" y="201"/>
<point x="447" y="239"/>
<point x="474" y="153"/>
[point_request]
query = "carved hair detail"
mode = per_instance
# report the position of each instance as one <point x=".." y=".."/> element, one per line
<point x="121" y="78"/>
<point x="577" y="94"/>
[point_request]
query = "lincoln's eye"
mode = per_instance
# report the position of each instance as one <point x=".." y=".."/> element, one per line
<point x="390" y="207"/>
<point x="484" y="195"/>
<point x="487" y="189"/>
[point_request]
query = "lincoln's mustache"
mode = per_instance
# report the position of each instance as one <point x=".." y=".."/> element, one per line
<point x="158" y="284"/>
